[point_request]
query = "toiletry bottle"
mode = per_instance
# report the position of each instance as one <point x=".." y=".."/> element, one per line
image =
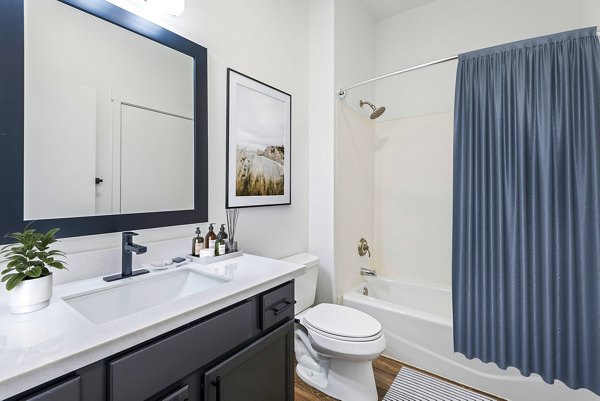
<point x="220" y="244"/>
<point x="197" y="243"/>
<point x="211" y="237"/>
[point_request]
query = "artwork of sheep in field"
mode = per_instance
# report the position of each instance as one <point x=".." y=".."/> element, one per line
<point x="260" y="151"/>
<point x="259" y="143"/>
<point x="260" y="173"/>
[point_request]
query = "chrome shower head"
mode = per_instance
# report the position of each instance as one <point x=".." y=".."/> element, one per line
<point x="377" y="111"/>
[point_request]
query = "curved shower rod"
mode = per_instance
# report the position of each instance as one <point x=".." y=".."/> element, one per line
<point x="342" y="92"/>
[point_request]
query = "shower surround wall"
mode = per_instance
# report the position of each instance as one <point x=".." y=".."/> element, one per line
<point x="353" y="193"/>
<point x="413" y="198"/>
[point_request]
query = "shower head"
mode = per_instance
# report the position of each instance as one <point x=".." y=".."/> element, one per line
<point x="377" y="111"/>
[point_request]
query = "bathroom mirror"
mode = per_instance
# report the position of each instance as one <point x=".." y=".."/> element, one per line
<point x="106" y="124"/>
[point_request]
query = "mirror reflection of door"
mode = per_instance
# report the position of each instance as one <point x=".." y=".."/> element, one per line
<point x="103" y="102"/>
<point x="157" y="150"/>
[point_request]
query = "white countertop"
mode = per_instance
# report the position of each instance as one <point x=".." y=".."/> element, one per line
<point x="51" y="342"/>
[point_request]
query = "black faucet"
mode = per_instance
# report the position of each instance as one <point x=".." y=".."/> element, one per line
<point x="128" y="248"/>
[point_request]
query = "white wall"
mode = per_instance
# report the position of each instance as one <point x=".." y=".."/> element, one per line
<point x="321" y="144"/>
<point x="446" y="28"/>
<point x="354" y="51"/>
<point x="268" y="40"/>
<point x="413" y="151"/>
<point x="354" y="62"/>
<point x="589" y="13"/>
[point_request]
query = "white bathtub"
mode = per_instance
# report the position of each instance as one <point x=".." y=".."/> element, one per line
<point x="417" y="322"/>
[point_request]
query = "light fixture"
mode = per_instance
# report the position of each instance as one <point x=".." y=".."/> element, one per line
<point x="171" y="7"/>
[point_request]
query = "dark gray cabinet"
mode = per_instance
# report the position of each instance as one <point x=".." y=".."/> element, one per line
<point x="241" y="353"/>
<point x="260" y="372"/>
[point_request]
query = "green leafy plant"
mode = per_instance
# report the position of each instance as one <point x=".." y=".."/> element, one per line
<point x="30" y="257"/>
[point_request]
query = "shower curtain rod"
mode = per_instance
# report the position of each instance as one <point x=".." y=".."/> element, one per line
<point x="342" y="92"/>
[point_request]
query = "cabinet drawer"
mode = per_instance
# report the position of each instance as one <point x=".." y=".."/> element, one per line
<point x="142" y="373"/>
<point x="69" y="390"/>
<point x="277" y="305"/>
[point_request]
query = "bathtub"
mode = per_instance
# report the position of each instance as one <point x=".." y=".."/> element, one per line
<point x="417" y="322"/>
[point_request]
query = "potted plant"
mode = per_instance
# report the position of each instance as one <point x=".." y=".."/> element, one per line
<point x="26" y="274"/>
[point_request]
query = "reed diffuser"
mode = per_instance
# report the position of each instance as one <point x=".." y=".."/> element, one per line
<point x="232" y="218"/>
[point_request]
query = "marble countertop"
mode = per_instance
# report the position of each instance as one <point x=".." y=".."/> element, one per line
<point x="51" y="342"/>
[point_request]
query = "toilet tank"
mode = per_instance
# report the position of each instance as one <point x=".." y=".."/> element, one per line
<point x="305" y="286"/>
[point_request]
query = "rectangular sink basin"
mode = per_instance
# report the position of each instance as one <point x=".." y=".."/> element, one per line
<point x="113" y="303"/>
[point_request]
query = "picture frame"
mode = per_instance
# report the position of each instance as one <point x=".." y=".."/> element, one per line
<point x="259" y="119"/>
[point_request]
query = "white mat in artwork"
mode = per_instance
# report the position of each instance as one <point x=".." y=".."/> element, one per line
<point x="411" y="385"/>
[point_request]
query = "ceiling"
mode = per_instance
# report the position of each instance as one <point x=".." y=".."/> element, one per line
<point x="382" y="9"/>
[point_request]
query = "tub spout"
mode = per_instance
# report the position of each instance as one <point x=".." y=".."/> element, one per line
<point x="368" y="272"/>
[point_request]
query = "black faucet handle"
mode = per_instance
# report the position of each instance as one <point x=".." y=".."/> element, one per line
<point x="128" y="237"/>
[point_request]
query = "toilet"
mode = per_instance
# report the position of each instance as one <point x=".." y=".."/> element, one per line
<point x="335" y="345"/>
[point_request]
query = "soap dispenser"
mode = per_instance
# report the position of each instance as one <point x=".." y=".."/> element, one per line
<point x="220" y="244"/>
<point x="197" y="243"/>
<point x="211" y="237"/>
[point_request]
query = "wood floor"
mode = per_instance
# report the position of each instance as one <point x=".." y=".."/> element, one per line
<point x="385" y="370"/>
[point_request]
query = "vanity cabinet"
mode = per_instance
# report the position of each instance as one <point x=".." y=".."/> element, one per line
<point x="241" y="353"/>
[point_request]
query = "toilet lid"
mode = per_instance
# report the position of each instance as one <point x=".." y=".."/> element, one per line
<point x="342" y="321"/>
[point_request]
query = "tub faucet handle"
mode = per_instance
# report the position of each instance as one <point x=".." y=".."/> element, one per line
<point x="363" y="247"/>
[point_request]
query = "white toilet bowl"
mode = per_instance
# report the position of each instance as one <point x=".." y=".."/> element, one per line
<point x="335" y="347"/>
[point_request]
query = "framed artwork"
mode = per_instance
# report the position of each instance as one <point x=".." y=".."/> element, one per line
<point x="258" y="143"/>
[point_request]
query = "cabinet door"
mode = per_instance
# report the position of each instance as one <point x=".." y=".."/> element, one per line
<point x="261" y="372"/>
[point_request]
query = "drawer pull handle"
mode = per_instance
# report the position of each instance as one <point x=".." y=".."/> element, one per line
<point x="217" y="384"/>
<point x="278" y="309"/>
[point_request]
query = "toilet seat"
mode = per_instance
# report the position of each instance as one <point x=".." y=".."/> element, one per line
<point x="342" y="323"/>
<point x="313" y="329"/>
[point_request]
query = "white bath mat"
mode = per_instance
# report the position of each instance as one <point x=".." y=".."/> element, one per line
<point x="411" y="385"/>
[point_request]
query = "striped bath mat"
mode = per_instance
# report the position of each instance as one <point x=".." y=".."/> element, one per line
<point x="411" y="385"/>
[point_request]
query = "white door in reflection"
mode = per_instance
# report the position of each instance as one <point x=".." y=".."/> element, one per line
<point x="157" y="152"/>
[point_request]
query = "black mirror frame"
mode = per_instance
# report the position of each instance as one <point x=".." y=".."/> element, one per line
<point x="12" y="126"/>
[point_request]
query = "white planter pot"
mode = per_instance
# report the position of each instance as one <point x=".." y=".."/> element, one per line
<point x="30" y="295"/>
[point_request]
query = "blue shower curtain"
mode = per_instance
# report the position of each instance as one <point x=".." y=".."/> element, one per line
<point x="526" y="207"/>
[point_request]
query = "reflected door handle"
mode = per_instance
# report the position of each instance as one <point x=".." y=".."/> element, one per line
<point x="99" y="181"/>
